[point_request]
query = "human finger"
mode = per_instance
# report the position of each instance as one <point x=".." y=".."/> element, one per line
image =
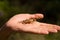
<point x="38" y="16"/>
<point x="57" y="27"/>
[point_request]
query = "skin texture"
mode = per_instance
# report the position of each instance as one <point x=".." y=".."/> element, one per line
<point x="18" y="23"/>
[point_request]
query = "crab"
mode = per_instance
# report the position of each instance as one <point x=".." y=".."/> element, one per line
<point x="28" y="21"/>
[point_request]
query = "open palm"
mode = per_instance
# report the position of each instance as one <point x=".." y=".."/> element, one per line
<point x="15" y="23"/>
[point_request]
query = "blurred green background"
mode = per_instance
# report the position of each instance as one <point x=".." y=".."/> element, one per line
<point x="50" y="9"/>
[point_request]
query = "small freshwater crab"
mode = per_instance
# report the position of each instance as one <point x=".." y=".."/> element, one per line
<point x="28" y="21"/>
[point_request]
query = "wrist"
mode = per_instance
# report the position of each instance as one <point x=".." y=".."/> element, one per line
<point x="5" y="31"/>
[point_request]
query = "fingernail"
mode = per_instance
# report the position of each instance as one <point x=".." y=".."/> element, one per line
<point x="46" y="32"/>
<point x="55" y="31"/>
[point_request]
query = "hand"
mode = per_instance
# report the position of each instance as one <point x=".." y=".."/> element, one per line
<point x="15" y="23"/>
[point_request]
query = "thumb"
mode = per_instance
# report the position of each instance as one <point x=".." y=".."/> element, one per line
<point x="37" y="16"/>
